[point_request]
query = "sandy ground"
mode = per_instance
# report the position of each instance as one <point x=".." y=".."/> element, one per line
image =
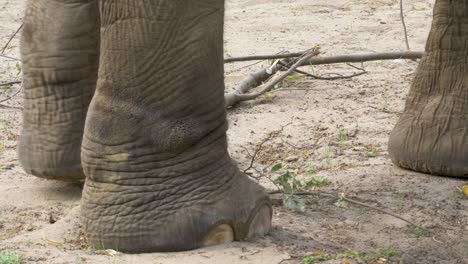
<point x="38" y="218"/>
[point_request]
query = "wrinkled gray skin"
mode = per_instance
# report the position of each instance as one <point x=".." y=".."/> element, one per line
<point x="130" y="95"/>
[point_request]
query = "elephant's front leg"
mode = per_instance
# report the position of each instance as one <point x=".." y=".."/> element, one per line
<point x="59" y="51"/>
<point x="431" y="135"/>
<point x="159" y="177"/>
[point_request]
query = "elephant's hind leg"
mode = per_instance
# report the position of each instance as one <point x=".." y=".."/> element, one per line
<point x="59" y="50"/>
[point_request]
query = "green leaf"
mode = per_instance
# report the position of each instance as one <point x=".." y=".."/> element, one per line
<point x="360" y="149"/>
<point x="310" y="171"/>
<point x="341" y="204"/>
<point x="10" y="257"/>
<point x="382" y="253"/>
<point x="18" y="68"/>
<point x="3" y="124"/>
<point x="295" y="204"/>
<point x="420" y="232"/>
<point x="316" y="182"/>
<point x="315" y="259"/>
<point x="297" y="185"/>
<point x="283" y="181"/>
<point x="277" y="167"/>
<point x="371" y="154"/>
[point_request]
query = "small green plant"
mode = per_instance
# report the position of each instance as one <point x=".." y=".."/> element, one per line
<point x="342" y="135"/>
<point x="385" y="104"/>
<point x="315" y="259"/>
<point x="420" y="232"/>
<point x="10" y="257"/>
<point x="371" y="154"/>
<point x="328" y="155"/>
<point x="311" y="170"/>
<point x="316" y="182"/>
<point x="3" y="124"/>
<point x="5" y="87"/>
<point x="287" y="181"/>
<point x="383" y="253"/>
<point x="18" y="69"/>
<point x="402" y="202"/>
<point x="350" y="254"/>
<point x="289" y="184"/>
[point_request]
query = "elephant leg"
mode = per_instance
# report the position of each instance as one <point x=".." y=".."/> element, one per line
<point x="59" y="51"/>
<point x="159" y="176"/>
<point x="431" y="136"/>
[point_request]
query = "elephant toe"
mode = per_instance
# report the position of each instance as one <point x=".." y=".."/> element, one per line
<point x="261" y="223"/>
<point x="218" y="235"/>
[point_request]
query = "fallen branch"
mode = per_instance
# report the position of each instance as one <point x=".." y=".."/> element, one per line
<point x="261" y="76"/>
<point x="410" y="55"/>
<point x="265" y="57"/>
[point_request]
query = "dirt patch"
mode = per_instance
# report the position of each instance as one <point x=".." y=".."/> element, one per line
<point x="336" y="130"/>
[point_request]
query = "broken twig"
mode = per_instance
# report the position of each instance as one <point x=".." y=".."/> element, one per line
<point x="10" y="97"/>
<point x="236" y="97"/>
<point x="11" y="38"/>
<point x="342" y="197"/>
<point x="8" y="57"/>
<point x="402" y="16"/>
<point x="9" y="83"/>
<point x="330" y="78"/>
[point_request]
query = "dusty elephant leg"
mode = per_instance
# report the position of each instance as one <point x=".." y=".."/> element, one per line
<point x="59" y="50"/>
<point x="432" y="133"/>
<point x="159" y="177"/>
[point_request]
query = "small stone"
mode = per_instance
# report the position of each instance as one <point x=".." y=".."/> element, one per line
<point x="292" y="158"/>
<point x="52" y="218"/>
<point x="30" y="228"/>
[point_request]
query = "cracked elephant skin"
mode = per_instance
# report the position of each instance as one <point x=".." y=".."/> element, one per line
<point x="129" y="95"/>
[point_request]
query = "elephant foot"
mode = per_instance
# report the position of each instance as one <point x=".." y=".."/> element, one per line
<point x="431" y="144"/>
<point x="42" y="159"/>
<point x="147" y="217"/>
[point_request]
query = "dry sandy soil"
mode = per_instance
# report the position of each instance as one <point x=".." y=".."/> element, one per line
<point x="39" y="218"/>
